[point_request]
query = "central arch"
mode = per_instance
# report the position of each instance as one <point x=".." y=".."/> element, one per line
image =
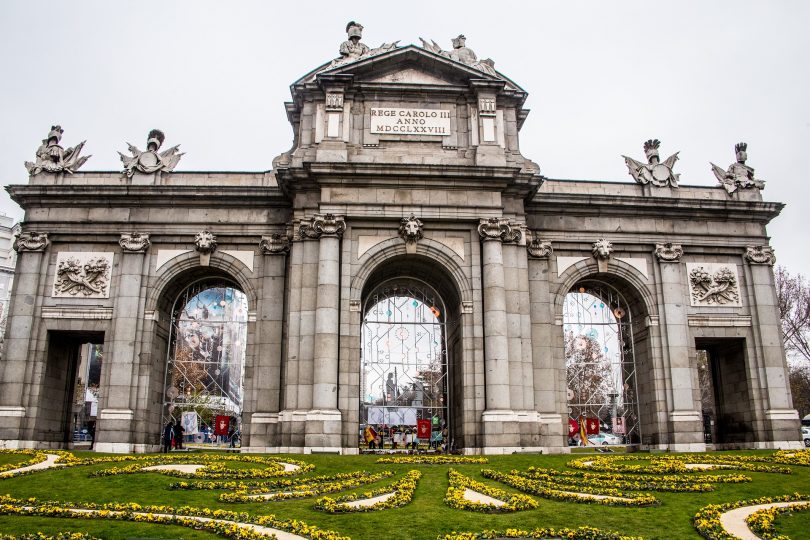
<point x="410" y="356"/>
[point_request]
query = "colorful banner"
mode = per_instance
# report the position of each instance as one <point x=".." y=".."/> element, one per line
<point x="221" y="425"/>
<point x="189" y="421"/>
<point x="592" y="426"/>
<point x="573" y="427"/>
<point x="423" y="429"/>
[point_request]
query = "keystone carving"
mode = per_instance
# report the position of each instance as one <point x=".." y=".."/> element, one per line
<point x="275" y="244"/>
<point x="30" y="241"/>
<point x="322" y="225"/>
<point x="53" y="158"/>
<point x="760" y="255"/>
<point x="713" y="284"/>
<point x="539" y="249"/>
<point x="205" y="242"/>
<point x="410" y="229"/>
<point x="84" y="275"/>
<point x="498" y="229"/>
<point x="151" y="161"/>
<point x="462" y="53"/>
<point x="739" y="175"/>
<point x="602" y="249"/>
<point x="134" y="242"/>
<point x="653" y="172"/>
<point x="668" y="252"/>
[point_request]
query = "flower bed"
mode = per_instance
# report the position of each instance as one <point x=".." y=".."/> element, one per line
<point x="707" y="520"/>
<point x="460" y="483"/>
<point x="230" y="526"/>
<point x="584" y="494"/>
<point x="761" y="522"/>
<point x="432" y="460"/>
<point x="582" y="533"/>
<point x="306" y="487"/>
<point x="675" y="464"/>
<point x="402" y="489"/>
<point x="215" y="467"/>
<point x="43" y="536"/>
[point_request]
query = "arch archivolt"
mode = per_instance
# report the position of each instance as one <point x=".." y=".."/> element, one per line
<point x="221" y="263"/>
<point x="627" y="274"/>
<point x="378" y="254"/>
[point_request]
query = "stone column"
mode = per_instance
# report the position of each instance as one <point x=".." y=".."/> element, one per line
<point x="263" y="416"/>
<point x="685" y="420"/>
<point x="324" y="420"/>
<point x="781" y="419"/>
<point x="114" y="430"/>
<point x="500" y="423"/>
<point x="513" y="323"/>
<point x="31" y="247"/>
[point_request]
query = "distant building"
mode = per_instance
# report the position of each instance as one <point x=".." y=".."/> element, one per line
<point x="8" y="260"/>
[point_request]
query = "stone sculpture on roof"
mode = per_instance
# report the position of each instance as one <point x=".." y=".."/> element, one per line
<point x="653" y="172"/>
<point x="151" y="161"/>
<point x="462" y="53"/>
<point x="739" y="175"/>
<point x="51" y="157"/>
<point x="353" y="49"/>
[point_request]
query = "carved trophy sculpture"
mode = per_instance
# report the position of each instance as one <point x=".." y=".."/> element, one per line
<point x="462" y="53"/>
<point x="353" y="49"/>
<point x="53" y="158"/>
<point x="151" y="161"/>
<point x="739" y="175"/>
<point x="653" y="172"/>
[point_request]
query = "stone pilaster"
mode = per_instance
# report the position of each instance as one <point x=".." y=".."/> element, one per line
<point x="19" y="337"/>
<point x="324" y="419"/>
<point x="262" y="413"/>
<point x="116" y="416"/>
<point x="685" y="420"/>
<point x="500" y="423"/>
<point x="781" y="419"/>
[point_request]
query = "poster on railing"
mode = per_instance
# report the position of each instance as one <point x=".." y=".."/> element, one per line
<point x="392" y="416"/>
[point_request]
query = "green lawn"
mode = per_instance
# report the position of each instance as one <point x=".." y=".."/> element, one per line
<point x="426" y="516"/>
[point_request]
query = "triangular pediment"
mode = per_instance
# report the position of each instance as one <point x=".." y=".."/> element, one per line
<point x="406" y="65"/>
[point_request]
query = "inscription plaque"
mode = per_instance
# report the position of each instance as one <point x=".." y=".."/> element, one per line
<point x="398" y="121"/>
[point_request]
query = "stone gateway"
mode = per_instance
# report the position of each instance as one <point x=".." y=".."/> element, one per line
<point x="403" y="276"/>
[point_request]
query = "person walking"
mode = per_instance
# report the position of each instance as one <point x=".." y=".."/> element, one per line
<point x="178" y="435"/>
<point x="168" y="435"/>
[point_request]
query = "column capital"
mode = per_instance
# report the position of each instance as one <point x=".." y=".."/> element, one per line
<point x="539" y="249"/>
<point x="668" y="252"/>
<point x="275" y="244"/>
<point x="760" y="255"/>
<point x="499" y="229"/>
<point x="31" y="241"/>
<point x="134" y="242"/>
<point x="322" y="226"/>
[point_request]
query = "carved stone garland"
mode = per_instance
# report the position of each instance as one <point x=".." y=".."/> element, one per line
<point x="31" y="241"/>
<point x="760" y="255"/>
<point x="668" y="252"/>
<point x="134" y="242"/>
<point x="499" y="229"/>
<point x="85" y="275"/>
<point x="410" y="230"/>
<point x="713" y="285"/>
<point x="322" y="225"/>
<point x="275" y="244"/>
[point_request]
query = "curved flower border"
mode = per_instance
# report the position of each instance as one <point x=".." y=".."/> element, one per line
<point x="214" y="466"/>
<point x="535" y="487"/>
<point x="403" y="490"/>
<point x="707" y="520"/>
<point x="231" y="524"/>
<point x="761" y="522"/>
<point x="675" y="464"/>
<point x="454" y="498"/>
<point x="306" y="487"/>
<point x="581" y="533"/>
<point x="64" y="535"/>
<point x="37" y="456"/>
<point x="432" y="460"/>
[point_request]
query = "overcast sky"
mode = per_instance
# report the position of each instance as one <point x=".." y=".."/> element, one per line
<point x="602" y="78"/>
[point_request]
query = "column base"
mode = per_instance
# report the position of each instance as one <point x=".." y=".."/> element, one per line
<point x="11" y="419"/>
<point x="508" y="432"/>
<point x="263" y="430"/>
<point x="323" y="431"/>
<point x="686" y="432"/>
<point x="782" y="425"/>
<point x="114" y="431"/>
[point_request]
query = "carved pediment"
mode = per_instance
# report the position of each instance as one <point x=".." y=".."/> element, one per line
<point x="407" y="65"/>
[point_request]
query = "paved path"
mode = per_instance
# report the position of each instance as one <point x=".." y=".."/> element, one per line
<point x="47" y="464"/>
<point x="477" y="497"/>
<point x="289" y="467"/>
<point x="179" y="467"/>
<point x="733" y="521"/>
<point x="279" y="534"/>
<point x="361" y="503"/>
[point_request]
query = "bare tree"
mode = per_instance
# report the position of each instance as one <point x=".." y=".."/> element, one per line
<point x="793" y="297"/>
